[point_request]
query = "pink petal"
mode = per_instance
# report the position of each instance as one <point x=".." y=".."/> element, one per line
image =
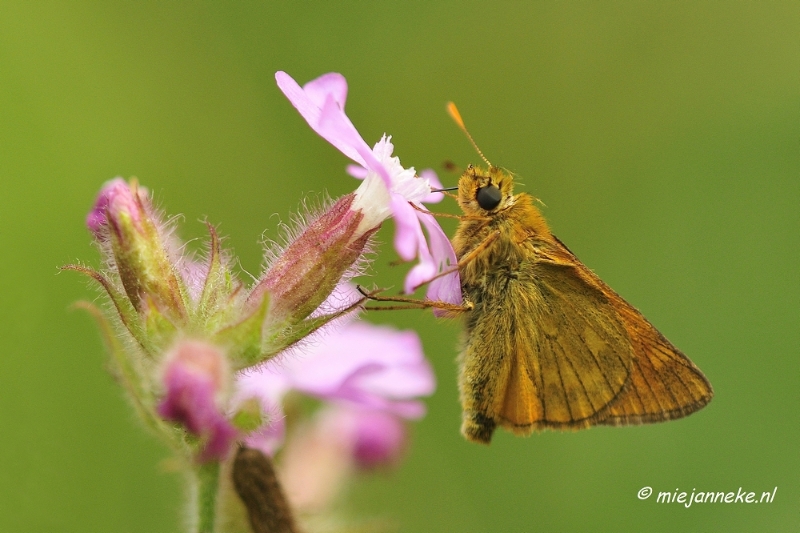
<point x="332" y="83"/>
<point x="321" y="103"/>
<point x="445" y="288"/>
<point x="419" y="274"/>
<point x="408" y="235"/>
<point x="361" y="363"/>
<point x="336" y="128"/>
<point x="357" y="171"/>
<point x="440" y="257"/>
<point x="374" y="438"/>
<point x="433" y="179"/>
<point x="366" y="360"/>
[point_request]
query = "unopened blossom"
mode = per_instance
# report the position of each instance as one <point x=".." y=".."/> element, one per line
<point x="305" y="272"/>
<point x="195" y="378"/>
<point x="113" y="191"/>
<point x="123" y="221"/>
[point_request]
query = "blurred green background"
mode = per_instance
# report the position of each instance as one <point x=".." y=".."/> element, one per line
<point x="664" y="138"/>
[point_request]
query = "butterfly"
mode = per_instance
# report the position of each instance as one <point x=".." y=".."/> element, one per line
<point x="547" y="344"/>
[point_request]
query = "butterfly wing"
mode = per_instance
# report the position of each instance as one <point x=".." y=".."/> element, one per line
<point x="663" y="384"/>
<point x="545" y="351"/>
<point x="555" y="347"/>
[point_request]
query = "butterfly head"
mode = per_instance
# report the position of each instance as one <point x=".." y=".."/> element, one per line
<point x="482" y="192"/>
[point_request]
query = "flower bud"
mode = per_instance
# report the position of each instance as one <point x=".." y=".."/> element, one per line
<point x="310" y="268"/>
<point x="122" y="219"/>
<point x="196" y="378"/>
<point x="97" y="218"/>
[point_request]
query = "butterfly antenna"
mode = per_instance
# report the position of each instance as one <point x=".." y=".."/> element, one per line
<point x="456" y="116"/>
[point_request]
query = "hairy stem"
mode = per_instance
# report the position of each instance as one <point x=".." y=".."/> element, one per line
<point x="208" y="484"/>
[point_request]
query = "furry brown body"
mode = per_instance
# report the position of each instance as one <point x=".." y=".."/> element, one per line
<point x="548" y="344"/>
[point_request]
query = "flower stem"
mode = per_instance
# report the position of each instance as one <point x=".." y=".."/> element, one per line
<point x="208" y="481"/>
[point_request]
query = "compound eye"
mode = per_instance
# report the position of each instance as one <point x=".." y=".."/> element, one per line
<point x="488" y="197"/>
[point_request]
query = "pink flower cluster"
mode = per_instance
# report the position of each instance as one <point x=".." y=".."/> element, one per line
<point x="213" y="358"/>
<point x="370" y="376"/>
<point x="373" y="374"/>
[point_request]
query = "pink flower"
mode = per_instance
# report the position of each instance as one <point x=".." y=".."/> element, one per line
<point x="366" y="367"/>
<point x="387" y="187"/>
<point x="323" y="453"/>
<point x="377" y="438"/>
<point x="195" y="377"/>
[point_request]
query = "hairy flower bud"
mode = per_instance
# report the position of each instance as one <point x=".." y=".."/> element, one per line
<point x="312" y="265"/>
<point x="122" y="219"/>
<point x="196" y="378"/>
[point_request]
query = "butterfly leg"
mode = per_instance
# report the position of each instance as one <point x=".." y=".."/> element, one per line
<point x="410" y="303"/>
<point x="464" y="260"/>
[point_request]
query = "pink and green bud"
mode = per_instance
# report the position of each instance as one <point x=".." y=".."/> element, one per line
<point x="123" y="219"/>
<point x="312" y="265"/>
<point x="97" y="218"/>
<point x="196" y="379"/>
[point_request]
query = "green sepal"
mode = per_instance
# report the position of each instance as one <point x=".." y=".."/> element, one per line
<point x="291" y="334"/>
<point x="159" y="329"/>
<point x="249" y="417"/>
<point x="217" y="298"/>
<point x="125" y="310"/>
<point x="244" y="339"/>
